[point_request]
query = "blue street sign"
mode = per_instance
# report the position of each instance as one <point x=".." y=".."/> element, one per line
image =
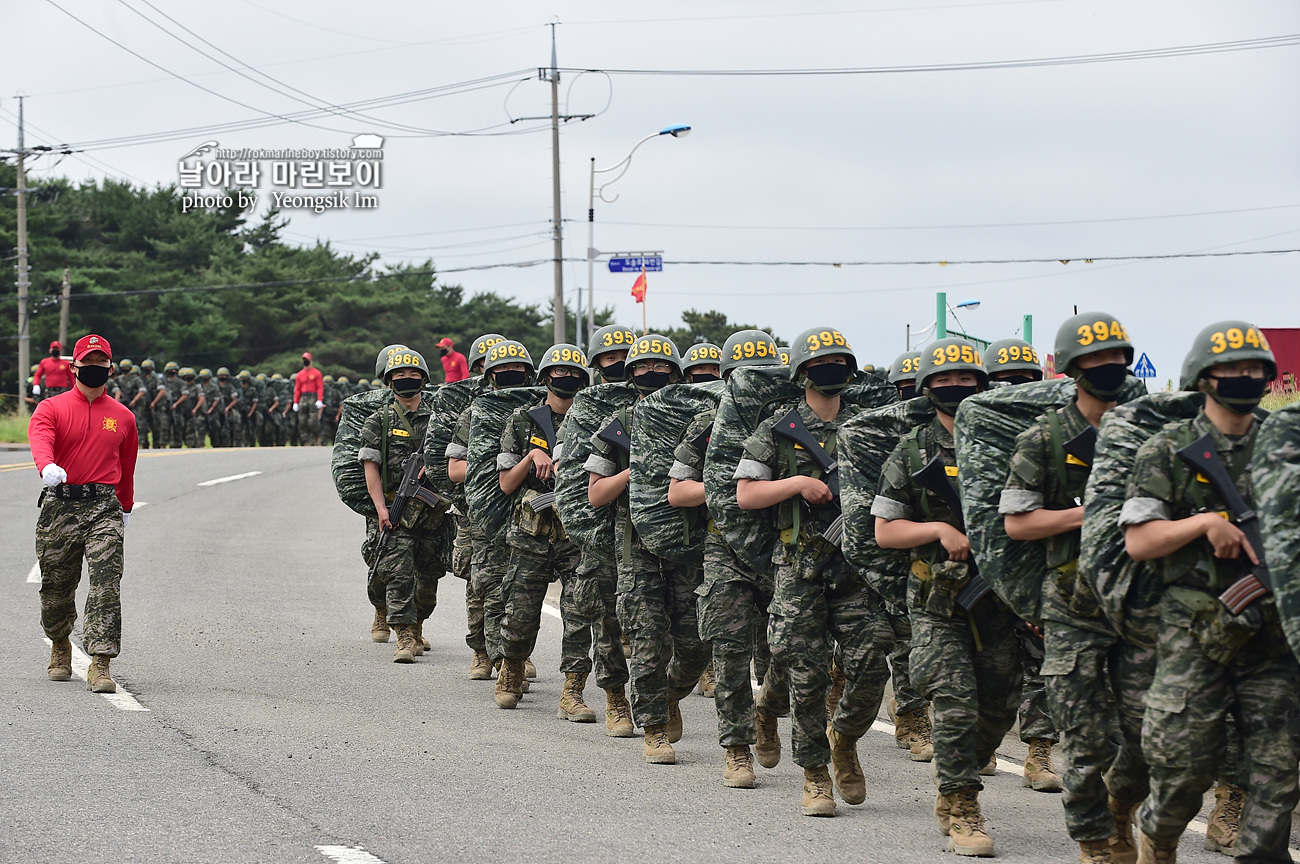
<point x="652" y="264"/>
<point x="1144" y="368"/>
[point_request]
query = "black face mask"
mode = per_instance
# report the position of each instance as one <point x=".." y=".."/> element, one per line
<point x="93" y="376"/>
<point x="906" y="391"/>
<point x="828" y="379"/>
<point x="306" y="363"/>
<point x="442" y="351"/>
<point x="1240" y="393"/>
<point x="54" y="352"/>
<point x="946" y="399"/>
<point x="1013" y="380"/>
<point x="509" y="377"/>
<point x="701" y="377"/>
<point x="648" y="382"/>
<point x="1104" y="381"/>
<point x="614" y="371"/>
<point x="565" y="386"/>
<point x="406" y="387"/>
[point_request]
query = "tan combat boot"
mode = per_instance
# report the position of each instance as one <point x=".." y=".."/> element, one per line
<point x="966" y="834"/>
<point x="913" y="732"/>
<point x="657" y="749"/>
<point x="738" y="772"/>
<point x="674" y="726"/>
<point x="571" y="705"/>
<point x="97" y="679"/>
<point x="943" y="814"/>
<point x="509" y="683"/>
<point x="1039" y="773"/>
<point x="60" y="660"/>
<point x="818" y="797"/>
<point x="707" y="684"/>
<point x="902" y="726"/>
<point x="1095" y="852"/>
<point x="405" y="652"/>
<point x="417" y="635"/>
<point x="768" y="746"/>
<point x="833" y="697"/>
<point x="1151" y="851"/>
<point x="530" y="671"/>
<point x="480" y="668"/>
<point x="618" y="714"/>
<point x="1221" y="835"/>
<point x="1122" y="848"/>
<point x="990" y="768"/>
<point x="379" y="630"/>
<point x="849" y="779"/>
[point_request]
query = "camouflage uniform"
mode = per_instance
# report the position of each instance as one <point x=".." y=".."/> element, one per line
<point x="656" y="605"/>
<point x="821" y="607"/>
<point x="160" y="415"/>
<point x="213" y="416"/>
<point x="130" y="386"/>
<point x="67" y="532"/>
<point x="732" y="608"/>
<point x="1084" y="659"/>
<point x="406" y="580"/>
<point x="594" y="599"/>
<point x="309" y="417"/>
<point x="540" y="553"/>
<point x="243" y="417"/>
<point x="966" y="663"/>
<point x="1210" y="662"/>
<point x="176" y="389"/>
<point x="266" y="413"/>
<point x="193" y="428"/>
<point x="329" y="415"/>
<point x="229" y="420"/>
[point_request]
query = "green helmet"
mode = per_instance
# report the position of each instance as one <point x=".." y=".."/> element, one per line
<point x="343" y="379"/>
<point x="1226" y="342"/>
<point x="611" y="337"/>
<point x="950" y="355"/>
<point x="381" y="359"/>
<point x="784" y="351"/>
<point x="244" y="375"/>
<point x="124" y="364"/>
<point x="701" y="354"/>
<point x="479" y="350"/>
<point x="749" y="348"/>
<point x="904" y="367"/>
<point x="819" y="342"/>
<point x="35" y="366"/>
<point x="1012" y="355"/>
<point x="363" y="383"/>
<point x="276" y="376"/>
<point x="1088" y="333"/>
<point x="172" y="366"/>
<point x="653" y="347"/>
<point x="564" y="354"/>
<point x="205" y="373"/>
<point x="223" y="372"/>
<point x="146" y="365"/>
<point x="507" y="351"/>
<point x="328" y="379"/>
<point x="407" y="358"/>
<point x="187" y="372"/>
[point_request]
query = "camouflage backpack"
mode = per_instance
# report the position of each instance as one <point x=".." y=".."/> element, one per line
<point x="865" y="443"/>
<point x="986" y="430"/>
<point x="349" y="475"/>
<point x="657" y="426"/>
<point x="489" y="507"/>
<point x="588" y="527"/>
<point x="448" y="404"/>
<point x="1275" y="471"/>
<point x="753" y="394"/>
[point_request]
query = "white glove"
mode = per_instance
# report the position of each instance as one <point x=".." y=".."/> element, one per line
<point x="53" y="475"/>
<point x="319" y="404"/>
<point x="126" y="519"/>
<point x="36" y="389"/>
<point x="295" y="406"/>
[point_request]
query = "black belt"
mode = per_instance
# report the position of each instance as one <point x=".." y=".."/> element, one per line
<point x="75" y="492"/>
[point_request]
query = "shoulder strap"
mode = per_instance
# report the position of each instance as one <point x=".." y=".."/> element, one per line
<point x="915" y="462"/>
<point x="1057" y="439"/>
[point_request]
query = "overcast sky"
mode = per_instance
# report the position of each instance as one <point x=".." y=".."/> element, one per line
<point x="1139" y="157"/>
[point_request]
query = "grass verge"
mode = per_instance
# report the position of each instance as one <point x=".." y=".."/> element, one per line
<point x="13" y="429"/>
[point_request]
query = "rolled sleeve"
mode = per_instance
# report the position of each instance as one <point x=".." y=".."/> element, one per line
<point x="682" y="471"/>
<point x="506" y="461"/>
<point x="1016" y="501"/>
<point x="597" y="464"/>
<point x="369" y="454"/>
<point x="1137" y="511"/>
<point x="751" y="469"/>
<point x="888" y="508"/>
<point x="457" y="451"/>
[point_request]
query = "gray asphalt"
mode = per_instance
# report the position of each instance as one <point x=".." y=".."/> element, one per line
<point x="275" y="725"/>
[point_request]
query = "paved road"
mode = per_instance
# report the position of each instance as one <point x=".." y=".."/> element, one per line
<point x="275" y="726"/>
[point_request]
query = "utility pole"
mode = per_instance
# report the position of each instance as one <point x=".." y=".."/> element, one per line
<point x="560" y="313"/>
<point x="64" y="304"/>
<point x="941" y="315"/>
<point x="24" y="338"/>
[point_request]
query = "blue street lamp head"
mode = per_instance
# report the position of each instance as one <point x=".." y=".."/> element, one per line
<point x="968" y="304"/>
<point x="679" y="130"/>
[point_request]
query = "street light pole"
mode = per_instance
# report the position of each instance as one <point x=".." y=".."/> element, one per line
<point x="24" y="338"/>
<point x="560" y="314"/>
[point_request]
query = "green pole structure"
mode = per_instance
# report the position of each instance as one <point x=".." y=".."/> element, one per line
<point x="941" y="316"/>
<point x="1028" y="329"/>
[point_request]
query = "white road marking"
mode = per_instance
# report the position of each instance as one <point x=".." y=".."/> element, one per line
<point x="138" y="505"/>
<point x="348" y="855"/>
<point x="553" y="611"/>
<point x="121" y="699"/>
<point x="228" y="479"/>
<point x="34" y="575"/>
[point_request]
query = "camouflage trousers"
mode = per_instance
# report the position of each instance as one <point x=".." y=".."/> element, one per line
<point x="406" y="579"/>
<point x="900" y="662"/>
<point x="656" y="606"/>
<point x="178" y="423"/>
<point x="1185" y="737"/>
<point x="1083" y="670"/>
<point x="142" y="417"/>
<point x="308" y="420"/>
<point x="289" y="427"/>
<point x="66" y="533"/>
<point x="487" y="571"/>
<point x="328" y="428"/>
<point x="461" y="552"/>
<point x="1033" y="714"/>
<point x="534" y="564"/>
<point x="266" y="422"/>
<point x="589" y="599"/>
<point x="968" y="666"/>
<point x="242" y="428"/>
<point x="732" y="609"/>
<point x="160" y="426"/>
<point x="815" y="615"/>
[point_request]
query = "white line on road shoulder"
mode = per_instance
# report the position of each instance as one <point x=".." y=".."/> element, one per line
<point x="348" y="855"/>
<point x="553" y="611"/>
<point x="231" y="477"/>
<point x="121" y="699"/>
<point x="34" y="575"/>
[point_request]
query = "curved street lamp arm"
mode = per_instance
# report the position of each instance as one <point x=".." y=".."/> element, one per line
<point x="621" y="167"/>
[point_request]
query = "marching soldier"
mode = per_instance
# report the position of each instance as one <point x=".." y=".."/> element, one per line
<point x="175" y="389"/>
<point x="134" y="395"/>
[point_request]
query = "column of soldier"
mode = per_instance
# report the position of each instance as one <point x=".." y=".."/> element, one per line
<point x="1072" y="551"/>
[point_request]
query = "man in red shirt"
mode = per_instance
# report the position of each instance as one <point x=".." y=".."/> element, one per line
<point x="454" y="367"/>
<point x="53" y="373"/>
<point x="309" y="387"/>
<point x="84" y="444"/>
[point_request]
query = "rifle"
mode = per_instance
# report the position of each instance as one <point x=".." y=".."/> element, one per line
<point x="791" y="428"/>
<point x="410" y="487"/>
<point x="541" y="416"/>
<point x="1083" y="446"/>
<point x="614" y="434"/>
<point x="1203" y="455"/>
<point x="700" y="442"/>
<point x="934" y="478"/>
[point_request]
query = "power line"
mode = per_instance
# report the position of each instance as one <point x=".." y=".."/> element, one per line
<point x="953" y="262"/>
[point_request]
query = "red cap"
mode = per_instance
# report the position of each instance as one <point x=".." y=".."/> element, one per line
<point x="56" y="344"/>
<point x="86" y="344"/>
<point x="306" y="355"/>
<point x="446" y="342"/>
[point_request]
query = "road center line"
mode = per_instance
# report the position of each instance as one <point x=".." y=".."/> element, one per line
<point x="228" y="479"/>
<point x="121" y="699"/>
<point x="348" y="855"/>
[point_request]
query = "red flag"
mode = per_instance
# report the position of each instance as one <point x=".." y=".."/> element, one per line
<point x="638" y="287"/>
